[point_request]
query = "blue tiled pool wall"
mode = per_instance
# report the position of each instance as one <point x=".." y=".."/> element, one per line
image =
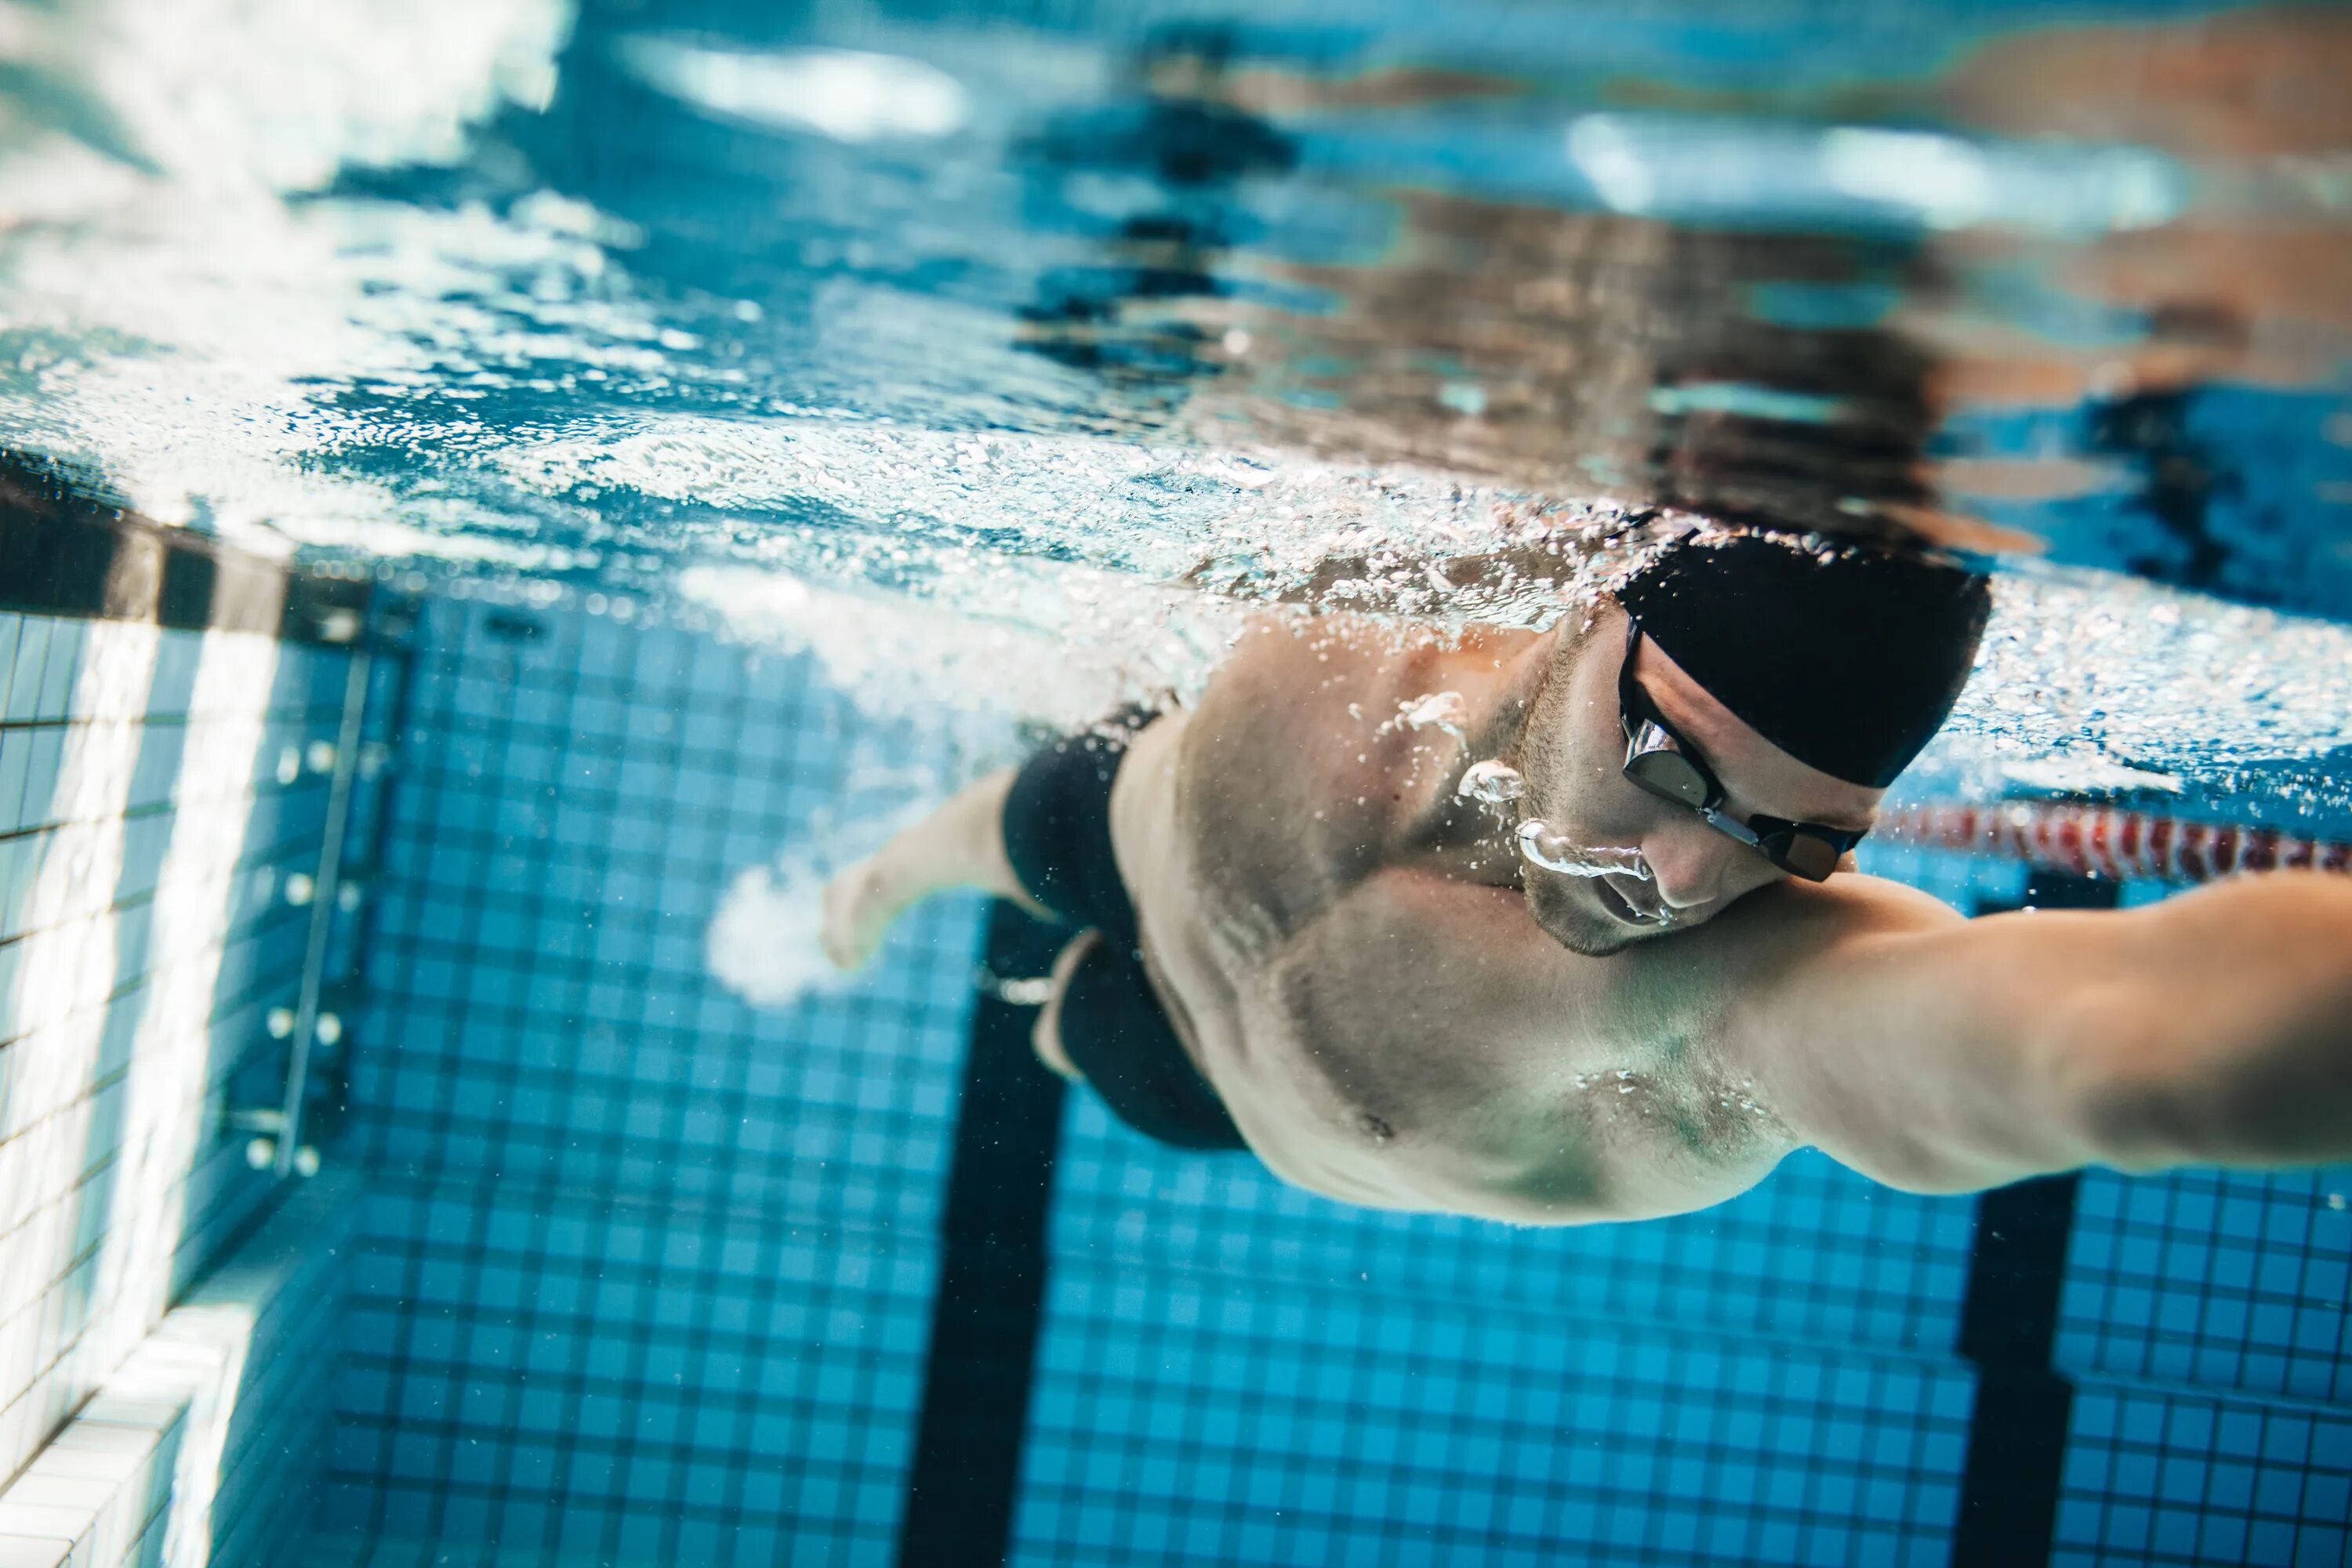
<point x="270" y="1463"/>
<point x="1221" y="1418"/>
<point x="1232" y="1372"/>
<point x="158" y="800"/>
<point x="2204" y="1324"/>
<point x="645" y="1274"/>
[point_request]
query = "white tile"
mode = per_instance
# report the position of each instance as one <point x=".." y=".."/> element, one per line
<point x="102" y="1466"/>
<point x="123" y="1446"/>
<point x="150" y="1415"/>
<point x="47" y="1486"/>
<point x="31" y="1551"/>
<point x="45" y="1522"/>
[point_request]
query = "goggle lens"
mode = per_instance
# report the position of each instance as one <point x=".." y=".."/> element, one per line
<point x="1668" y="774"/>
<point x="1801" y="854"/>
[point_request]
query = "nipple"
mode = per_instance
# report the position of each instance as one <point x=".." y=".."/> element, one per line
<point x="1554" y="852"/>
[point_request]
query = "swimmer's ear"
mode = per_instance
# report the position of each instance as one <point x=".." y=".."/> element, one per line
<point x="1045" y="1038"/>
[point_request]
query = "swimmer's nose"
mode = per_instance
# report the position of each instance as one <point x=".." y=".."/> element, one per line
<point x="1688" y="869"/>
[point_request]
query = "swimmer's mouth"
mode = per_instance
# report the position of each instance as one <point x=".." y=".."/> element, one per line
<point x="1623" y="912"/>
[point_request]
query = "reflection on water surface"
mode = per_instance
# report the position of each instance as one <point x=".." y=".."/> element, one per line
<point x="1087" y="324"/>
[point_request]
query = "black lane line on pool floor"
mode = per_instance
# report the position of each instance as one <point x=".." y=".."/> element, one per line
<point x="992" y="1294"/>
<point x="68" y="552"/>
<point x="2009" y="1322"/>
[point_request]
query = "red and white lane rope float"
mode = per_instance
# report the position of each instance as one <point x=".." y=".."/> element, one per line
<point x="2106" y="841"/>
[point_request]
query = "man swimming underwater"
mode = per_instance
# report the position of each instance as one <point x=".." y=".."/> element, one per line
<point x="1301" y="934"/>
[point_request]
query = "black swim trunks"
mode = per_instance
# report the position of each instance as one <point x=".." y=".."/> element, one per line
<point x="1057" y="836"/>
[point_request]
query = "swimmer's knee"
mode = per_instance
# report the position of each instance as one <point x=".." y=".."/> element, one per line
<point x="1045" y="1034"/>
<point x="1045" y="1039"/>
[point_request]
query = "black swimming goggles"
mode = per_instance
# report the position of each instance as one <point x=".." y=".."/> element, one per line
<point x="1662" y="764"/>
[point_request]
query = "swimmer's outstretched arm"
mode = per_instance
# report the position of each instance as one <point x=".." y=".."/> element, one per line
<point x="2214" y="1028"/>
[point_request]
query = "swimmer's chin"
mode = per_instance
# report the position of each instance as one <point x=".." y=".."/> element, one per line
<point x="1561" y="908"/>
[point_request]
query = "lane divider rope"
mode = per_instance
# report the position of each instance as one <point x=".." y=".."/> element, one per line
<point x="2108" y="841"/>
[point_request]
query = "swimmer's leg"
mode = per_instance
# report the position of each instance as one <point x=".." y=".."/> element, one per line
<point x="961" y="845"/>
<point x="1046" y="1036"/>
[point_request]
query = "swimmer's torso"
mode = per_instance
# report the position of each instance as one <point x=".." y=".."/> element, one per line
<point x="1326" y="924"/>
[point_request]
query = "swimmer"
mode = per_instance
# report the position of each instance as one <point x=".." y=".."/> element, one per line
<point x="1297" y="932"/>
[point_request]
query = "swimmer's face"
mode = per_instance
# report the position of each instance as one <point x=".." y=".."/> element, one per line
<point x="1573" y="753"/>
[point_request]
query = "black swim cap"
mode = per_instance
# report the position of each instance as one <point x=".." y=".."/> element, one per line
<point x="1845" y="658"/>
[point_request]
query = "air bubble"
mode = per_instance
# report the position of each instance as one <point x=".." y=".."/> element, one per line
<point x="1554" y="852"/>
<point x="1440" y="709"/>
<point x="1493" y="782"/>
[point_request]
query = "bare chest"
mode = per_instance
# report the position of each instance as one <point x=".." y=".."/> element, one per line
<point x="1368" y="1060"/>
<point x="1451" y="1108"/>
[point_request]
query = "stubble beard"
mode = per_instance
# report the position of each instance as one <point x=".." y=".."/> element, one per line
<point x="1580" y="930"/>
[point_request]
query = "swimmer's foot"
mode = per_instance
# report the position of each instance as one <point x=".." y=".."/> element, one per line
<point x="858" y="910"/>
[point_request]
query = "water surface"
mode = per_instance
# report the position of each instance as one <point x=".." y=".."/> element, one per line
<point x="1005" y="355"/>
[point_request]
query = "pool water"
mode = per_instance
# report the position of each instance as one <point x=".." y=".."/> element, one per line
<point x="747" y="419"/>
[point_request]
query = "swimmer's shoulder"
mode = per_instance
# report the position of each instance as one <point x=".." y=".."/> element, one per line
<point x="1252" y="794"/>
<point x="1303" y="705"/>
<point x="1724" y="981"/>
